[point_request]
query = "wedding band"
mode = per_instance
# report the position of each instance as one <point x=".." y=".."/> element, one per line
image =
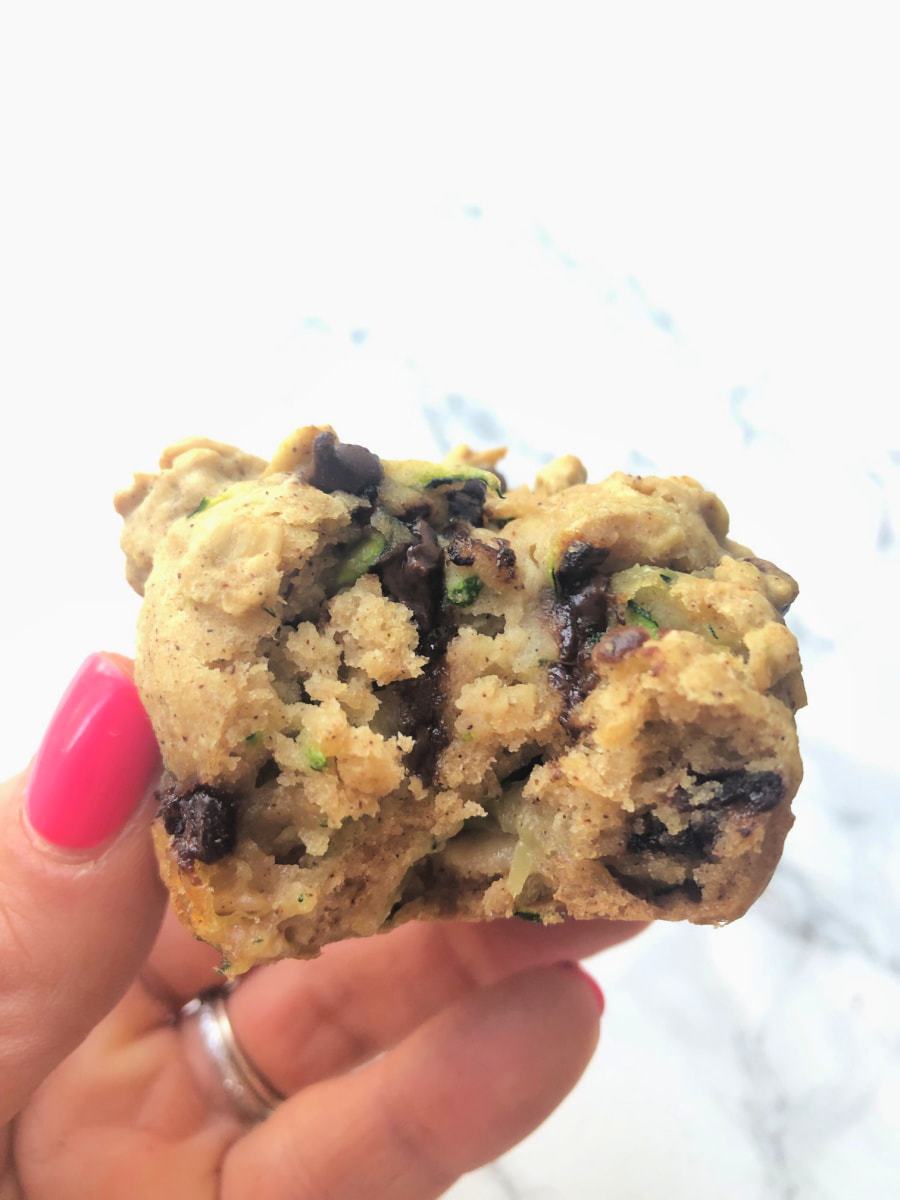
<point x="249" y="1091"/>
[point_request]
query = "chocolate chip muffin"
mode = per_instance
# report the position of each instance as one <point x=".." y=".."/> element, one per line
<point x="394" y="690"/>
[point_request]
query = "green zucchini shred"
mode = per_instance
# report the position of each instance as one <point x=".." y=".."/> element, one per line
<point x="316" y="759"/>
<point x="360" y="559"/>
<point x="638" y="615"/>
<point x="463" y="592"/>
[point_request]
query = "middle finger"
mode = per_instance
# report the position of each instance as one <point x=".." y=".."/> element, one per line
<point x="303" y="1021"/>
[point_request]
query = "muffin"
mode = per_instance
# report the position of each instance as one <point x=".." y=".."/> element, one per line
<point x="387" y="690"/>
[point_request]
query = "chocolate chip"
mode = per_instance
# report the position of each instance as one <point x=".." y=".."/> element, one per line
<point x="768" y="568"/>
<point x="615" y="644"/>
<point x="505" y="559"/>
<point x="467" y="502"/>
<point x="578" y="565"/>
<point x="461" y="550"/>
<point x="753" y="791"/>
<point x="694" y="842"/>
<point x="415" y="512"/>
<point x="496" y="556"/>
<point x="202" y="822"/>
<point x="341" y="467"/>
<point x="414" y="575"/>
<point x="645" y="888"/>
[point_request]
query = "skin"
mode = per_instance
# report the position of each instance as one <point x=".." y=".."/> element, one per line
<point x="407" y="1059"/>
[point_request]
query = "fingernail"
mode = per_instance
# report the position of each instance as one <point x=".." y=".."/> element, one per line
<point x="96" y="761"/>
<point x="591" y="982"/>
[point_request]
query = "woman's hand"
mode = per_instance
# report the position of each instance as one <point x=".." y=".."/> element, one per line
<point x="407" y="1059"/>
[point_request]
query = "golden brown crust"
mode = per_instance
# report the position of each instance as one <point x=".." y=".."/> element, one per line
<point x="191" y="471"/>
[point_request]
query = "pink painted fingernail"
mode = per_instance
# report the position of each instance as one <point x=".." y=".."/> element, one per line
<point x="592" y="983"/>
<point x="97" y="758"/>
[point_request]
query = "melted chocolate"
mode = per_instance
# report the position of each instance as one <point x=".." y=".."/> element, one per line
<point x="414" y="575"/>
<point x="579" y="613"/>
<point x="202" y="822"/>
<point x="578" y="566"/>
<point x="422" y="719"/>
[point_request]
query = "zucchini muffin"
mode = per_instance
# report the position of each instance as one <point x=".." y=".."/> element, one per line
<point x="393" y="690"/>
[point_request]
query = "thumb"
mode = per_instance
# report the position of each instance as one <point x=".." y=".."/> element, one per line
<point x="80" y="899"/>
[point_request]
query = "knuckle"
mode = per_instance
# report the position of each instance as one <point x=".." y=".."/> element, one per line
<point x="415" y="1145"/>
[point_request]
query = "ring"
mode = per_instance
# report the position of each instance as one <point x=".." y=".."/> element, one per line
<point x="249" y="1091"/>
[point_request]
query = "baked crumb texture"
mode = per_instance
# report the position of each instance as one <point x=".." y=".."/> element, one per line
<point x="392" y="690"/>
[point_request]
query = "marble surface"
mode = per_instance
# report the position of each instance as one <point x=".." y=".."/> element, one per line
<point x="757" y="1062"/>
<point x="693" y="286"/>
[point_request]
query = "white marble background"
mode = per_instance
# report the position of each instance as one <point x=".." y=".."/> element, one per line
<point x="665" y="238"/>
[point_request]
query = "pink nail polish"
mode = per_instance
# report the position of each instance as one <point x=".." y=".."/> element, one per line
<point x="96" y="761"/>
<point x="590" y="981"/>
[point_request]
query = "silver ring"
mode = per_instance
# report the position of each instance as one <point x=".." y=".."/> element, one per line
<point x="249" y="1091"/>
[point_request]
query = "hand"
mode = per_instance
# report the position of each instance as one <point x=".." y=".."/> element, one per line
<point x="464" y="1037"/>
